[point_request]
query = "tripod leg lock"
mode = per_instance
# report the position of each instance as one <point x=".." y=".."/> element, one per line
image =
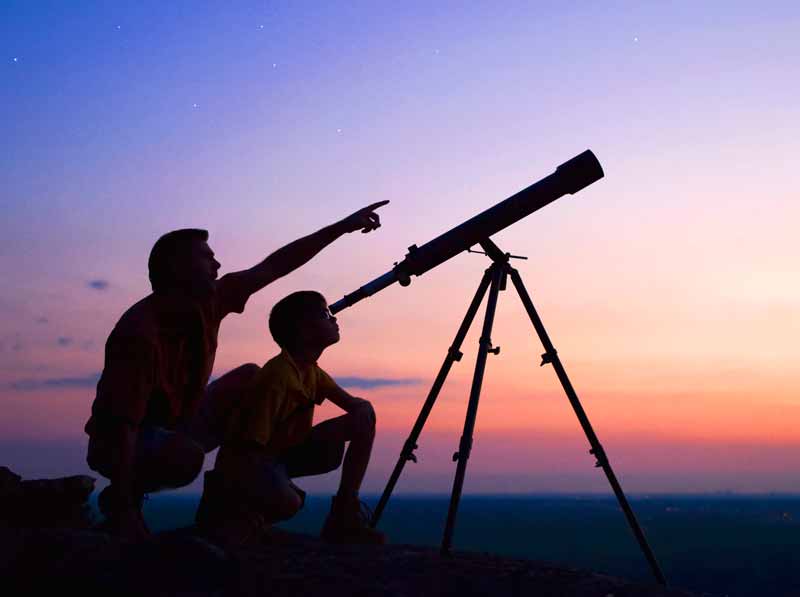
<point x="454" y="353"/>
<point x="464" y="449"/>
<point x="549" y="357"/>
<point x="408" y="451"/>
<point x="600" y="454"/>
<point x="488" y="343"/>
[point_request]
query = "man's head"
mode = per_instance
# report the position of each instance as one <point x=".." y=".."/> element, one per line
<point x="182" y="261"/>
<point x="302" y="321"/>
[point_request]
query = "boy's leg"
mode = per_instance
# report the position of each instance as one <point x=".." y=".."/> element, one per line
<point x="347" y="521"/>
<point x="359" y="430"/>
<point x="243" y="496"/>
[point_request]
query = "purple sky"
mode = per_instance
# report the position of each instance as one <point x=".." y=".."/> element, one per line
<point x="670" y="287"/>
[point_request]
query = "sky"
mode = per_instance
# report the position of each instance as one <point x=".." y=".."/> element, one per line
<point x="670" y="287"/>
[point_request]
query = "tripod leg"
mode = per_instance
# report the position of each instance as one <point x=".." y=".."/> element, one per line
<point x="551" y="356"/>
<point x="465" y="444"/>
<point x="453" y="354"/>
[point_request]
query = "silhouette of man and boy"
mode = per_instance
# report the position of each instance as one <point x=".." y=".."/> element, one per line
<point x="155" y="415"/>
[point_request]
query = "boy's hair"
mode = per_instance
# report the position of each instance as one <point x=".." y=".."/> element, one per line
<point x="288" y="312"/>
<point x="166" y="247"/>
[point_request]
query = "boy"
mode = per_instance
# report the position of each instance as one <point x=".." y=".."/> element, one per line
<point x="271" y="439"/>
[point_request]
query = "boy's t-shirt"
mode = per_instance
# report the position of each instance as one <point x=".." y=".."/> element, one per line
<point x="277" y="411"/>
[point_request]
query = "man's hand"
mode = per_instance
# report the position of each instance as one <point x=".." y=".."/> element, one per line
<point x="364" y="219"/>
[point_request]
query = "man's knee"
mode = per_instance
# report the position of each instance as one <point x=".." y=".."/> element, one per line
<point x="227" y="390"/>
<point x="235" y="380"/>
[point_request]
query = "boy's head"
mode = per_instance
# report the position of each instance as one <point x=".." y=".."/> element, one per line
<point x="302" y="321"/>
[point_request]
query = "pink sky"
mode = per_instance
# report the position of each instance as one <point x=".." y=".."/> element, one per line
<point x="669" y="287"/>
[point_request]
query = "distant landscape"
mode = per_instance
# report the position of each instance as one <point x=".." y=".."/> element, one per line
<point x="735" y="545"/>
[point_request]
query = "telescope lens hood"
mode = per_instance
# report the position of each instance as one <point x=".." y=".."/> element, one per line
<point x="579" y="172"/>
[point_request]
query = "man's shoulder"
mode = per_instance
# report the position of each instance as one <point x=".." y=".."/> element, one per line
<point x="137" y="323"/>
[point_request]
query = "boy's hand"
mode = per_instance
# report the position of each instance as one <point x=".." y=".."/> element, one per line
<point x="365" y="219"/>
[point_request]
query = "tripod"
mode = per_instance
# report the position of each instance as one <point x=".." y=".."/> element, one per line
<point x="494" y="279"/>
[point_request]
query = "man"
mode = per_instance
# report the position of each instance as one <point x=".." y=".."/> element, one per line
<point x="153" y="418"/>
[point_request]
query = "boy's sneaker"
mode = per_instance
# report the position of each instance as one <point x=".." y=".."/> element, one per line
<point x="348" y="522"/>
<point x="108" y="505"/>
<point x="225" y="520"/>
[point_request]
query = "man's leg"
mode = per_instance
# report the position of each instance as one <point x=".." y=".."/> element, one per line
<point x="162" y="459"/>
<point x="166" y="460"/>
<point x="207" y="426"/>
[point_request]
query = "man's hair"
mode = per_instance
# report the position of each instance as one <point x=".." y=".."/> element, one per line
<point x="166" y="248"/>
<point x="287" y="313"/>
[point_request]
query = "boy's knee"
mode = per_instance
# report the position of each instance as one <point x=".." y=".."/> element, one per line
<point x="365" y="420"/>
<point x="186" y="458"/>
<point x="288" y="504"/>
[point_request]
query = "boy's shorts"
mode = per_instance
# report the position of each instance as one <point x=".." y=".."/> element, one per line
<point x="261" y="482"/>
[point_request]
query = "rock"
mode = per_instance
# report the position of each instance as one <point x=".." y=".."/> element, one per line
<point x="45" y="549"/>
<point x="180" y="563"/>
<point x="59" y="502"/>
<point x="9" y="482"/>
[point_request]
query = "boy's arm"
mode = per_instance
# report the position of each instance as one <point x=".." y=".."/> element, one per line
<point x="299" y="252"/>
<point x="350" y="404"/>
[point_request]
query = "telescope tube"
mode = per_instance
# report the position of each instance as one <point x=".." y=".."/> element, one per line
<point x="569" y="178"/>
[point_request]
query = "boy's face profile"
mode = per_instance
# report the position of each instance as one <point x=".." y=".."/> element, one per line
<point x="319" y="329"/>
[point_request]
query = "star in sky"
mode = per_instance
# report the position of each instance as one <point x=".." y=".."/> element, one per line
<point x="15" y="59"/>
<point x="636" y="38"/>
<point x="195" y="106"/>
<point x="339" y="130"/>
<point x="261" y="26"/>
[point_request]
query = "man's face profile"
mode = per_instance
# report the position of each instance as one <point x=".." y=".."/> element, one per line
<point x="196" y="269"/>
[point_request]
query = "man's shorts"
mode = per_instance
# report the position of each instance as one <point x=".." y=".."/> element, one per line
<point x="205" y="427"/>
<point x="150" y="442"/>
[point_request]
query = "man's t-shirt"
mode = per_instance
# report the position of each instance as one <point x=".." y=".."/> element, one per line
<point x="278" y="409"/>
<point x="159" y="357"/>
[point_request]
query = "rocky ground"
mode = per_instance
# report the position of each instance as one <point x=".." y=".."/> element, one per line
<point x="74" y="559"/>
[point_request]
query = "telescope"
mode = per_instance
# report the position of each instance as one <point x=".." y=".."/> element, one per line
<point x="569" y="178"/>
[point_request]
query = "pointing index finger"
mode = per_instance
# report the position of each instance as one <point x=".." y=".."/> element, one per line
<point x="375" y="206"/>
